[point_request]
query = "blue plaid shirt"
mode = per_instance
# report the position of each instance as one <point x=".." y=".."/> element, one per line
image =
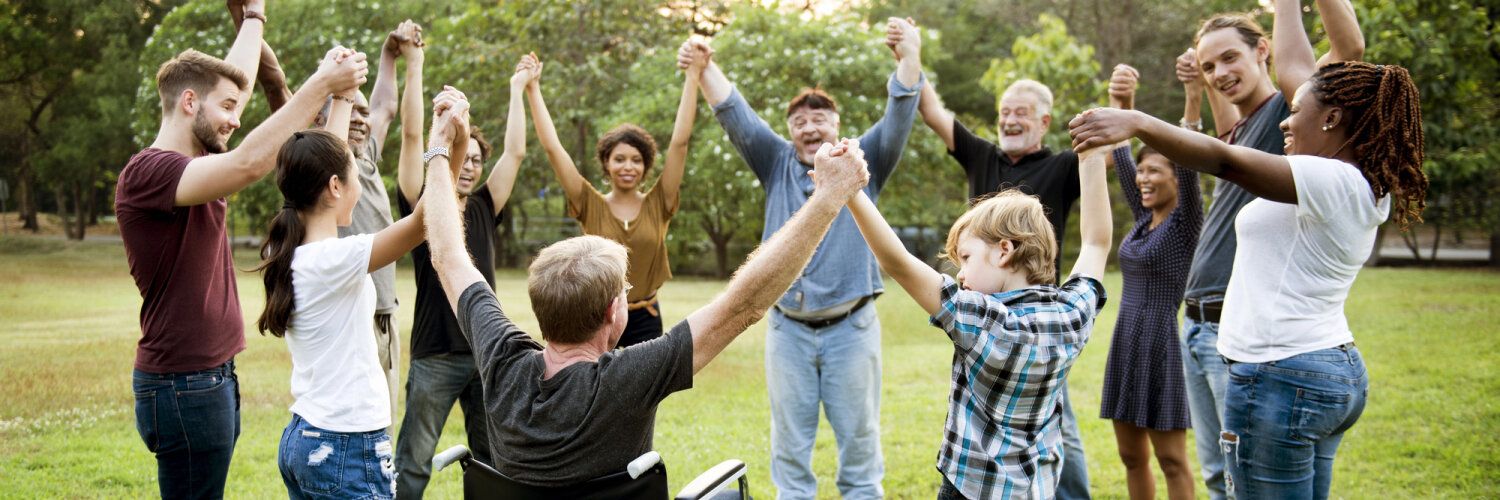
<point x="1012" y="351"/>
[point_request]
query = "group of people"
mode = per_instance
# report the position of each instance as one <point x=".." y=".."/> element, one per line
<point x="1266" y="371"/>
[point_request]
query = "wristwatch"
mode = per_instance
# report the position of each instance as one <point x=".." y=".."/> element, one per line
<point x="434" y="152"/>
<point x="1195" y="125"/>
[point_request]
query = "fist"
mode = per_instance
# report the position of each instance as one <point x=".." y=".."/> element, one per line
<point x="902" y="37"/>
<point x="450" y="109"/>
<point x="1122" y="85"/>
<point x="1187" y="69"/>
<point x="694" y="55"/>
<point x="840" y="170"/>
<point x="1101" y="127"/>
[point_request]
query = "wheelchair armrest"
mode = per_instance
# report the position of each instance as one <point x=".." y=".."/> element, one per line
<point x="448" y="457"/>
<point x="714" y="480"/>
<point x="642" y="464"/>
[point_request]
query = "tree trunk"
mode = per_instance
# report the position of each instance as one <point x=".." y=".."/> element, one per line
<point x="1495" y="248"/>
<point x="80" y="217"/>
<point x="25" y="201"/>
<point x="1437" y="237"/>
<point x="1374" y="259"/>
<point x="1409" y="237"/>
<point x="721" y="254"/>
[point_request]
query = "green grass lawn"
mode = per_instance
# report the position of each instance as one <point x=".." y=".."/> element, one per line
<point x="70" y="325"/>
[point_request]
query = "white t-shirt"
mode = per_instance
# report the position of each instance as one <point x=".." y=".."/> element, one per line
<point x="1296" y="262"/>
<point x="337" y="383"/>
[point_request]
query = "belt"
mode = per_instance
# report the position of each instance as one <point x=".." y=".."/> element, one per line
<point x="1204" y="311"/>
<point x="648" y="303"/>
<point x="830" y="321"/>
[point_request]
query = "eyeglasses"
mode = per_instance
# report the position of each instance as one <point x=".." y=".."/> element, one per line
<point x="627" y="289"/>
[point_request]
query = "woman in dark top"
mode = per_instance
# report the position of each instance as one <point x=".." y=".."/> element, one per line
<point x="1144" y="391"/>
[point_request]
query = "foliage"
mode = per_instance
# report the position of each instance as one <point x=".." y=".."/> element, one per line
<point x="1060" y="62"/>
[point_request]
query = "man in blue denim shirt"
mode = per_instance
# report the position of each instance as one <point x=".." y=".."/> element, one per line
<point x="823" y="343"/>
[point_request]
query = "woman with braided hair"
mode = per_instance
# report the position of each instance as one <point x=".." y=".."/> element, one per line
<point x="1297" y="382"/>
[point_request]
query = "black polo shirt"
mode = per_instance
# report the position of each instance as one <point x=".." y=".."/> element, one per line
<point x="1052" y="178"/>
<point x="434" y="328"/>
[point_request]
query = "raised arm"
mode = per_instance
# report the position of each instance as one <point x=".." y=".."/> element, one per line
<point x="1290" y="48"/>
<point x="572" y="182"/>
<point x="1095" y="223"/>
<point x="716" y="86"/>
<point x="405" y="234"/>
<point x="409" y="162"/>
<point x="919" y="279"/>
<point x="211" y="177"/>
<point x="886" y="139"/>
<point x="751" y="136"/>
<point x="935" y="115"/>
<point x="339" y="108"/>
<point x="272" y="79"/>
<point x="1262" y="174"/>
<point x="682" y="132"/>
<point x="1345" y="40"/>
<point x="773" y="266"/>
<point x="1224" y="112"/>
<point x="445" y="234"/>
<point x="908" y="49"/>
<point x="503" y="177"/>
<point x="384" y="102"/>
<point x="246" y="51"/>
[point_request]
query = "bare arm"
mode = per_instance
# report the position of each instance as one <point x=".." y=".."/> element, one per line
<point x="1345" y="40"/>
<point x="1291" y="49"/>
<point x="337" y="122"/>
<point x="272" y="79"/>
<point x="245" y="53"/>
<point x="503" y="178"/>
<point x="1095" y="221"/>
<point x="773" y="266"/>
<point x="1225" y="113"/>
<point x="920" y="281"/>
<point x="716" y="86"/>
<point x="572" y="182"/>
<point x="1262" y="174"/>
<point x="937" y="117"/>
<point x="445" y="237"/>
<point x="401" y="42"/>
<point x="682" y="135"/>
<point x="211" y="177"/>
<point x="409" y="163"/>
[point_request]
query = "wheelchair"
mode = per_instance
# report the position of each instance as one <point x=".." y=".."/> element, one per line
<point x="645" y="478"/>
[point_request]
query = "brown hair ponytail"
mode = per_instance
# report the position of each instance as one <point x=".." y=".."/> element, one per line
<point x="1385" y="129"/>
<point x="303" y="166"/>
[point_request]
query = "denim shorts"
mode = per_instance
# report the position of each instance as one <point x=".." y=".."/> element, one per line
<point x="318" y="463"/>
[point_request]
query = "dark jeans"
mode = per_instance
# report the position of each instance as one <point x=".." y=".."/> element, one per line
<point x="642" y="325"/>
<point x="948" y="491"/>
<point x="432" y="386"/>
<point x="190" y="421"/>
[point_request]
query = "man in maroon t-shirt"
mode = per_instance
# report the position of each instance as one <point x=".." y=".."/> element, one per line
<point x="170" y="202"/>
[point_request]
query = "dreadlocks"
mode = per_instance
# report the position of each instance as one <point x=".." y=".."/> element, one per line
<point x="1381" y="103"/>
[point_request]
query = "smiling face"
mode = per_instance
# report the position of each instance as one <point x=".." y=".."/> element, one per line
<point x="213" y="116"/>
<point x="1021" y="126"/>
<point x="625" y="166"/>
<point x="468" y="175"/>
<point x="1303" y="130"/>
<point x="1231" y="65"/>
<point x="1157" y="182"/>
<point x="359" y="123"/>
<point x="810" y="128"/>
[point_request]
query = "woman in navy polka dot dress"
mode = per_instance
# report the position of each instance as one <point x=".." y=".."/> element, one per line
<point x="1144" y="391"/>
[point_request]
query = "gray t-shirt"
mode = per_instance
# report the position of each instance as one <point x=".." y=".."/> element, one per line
<point x="371" y="214"/>
<point x="1213" y="260"/>
<point x="587" y="421"/>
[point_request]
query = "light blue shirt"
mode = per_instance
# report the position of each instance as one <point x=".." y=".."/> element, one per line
<point x="842" y="269"/>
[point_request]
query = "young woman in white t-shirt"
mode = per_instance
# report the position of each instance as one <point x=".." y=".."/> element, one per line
<point x="1354" y="145"/>
<point x="320" y="297"/>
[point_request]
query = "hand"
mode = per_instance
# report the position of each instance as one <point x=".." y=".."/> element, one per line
<point x="528" y="72"/>
<point x="405" y="38"/>
<point x="342" y="69"/>
<point x="1122" y="85"/>
<point x="1188" y="72"/>
<point x="446" y="126"/>
<point x="1102" y="127"/>
<point x="840" y="170"/>
<point x="237" y="10"/>
<point x="694" y="55"/>
<point x="902" y="37"/>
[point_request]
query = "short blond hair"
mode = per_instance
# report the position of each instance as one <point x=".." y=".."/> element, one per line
<point x="194" y="70"/>
<point x="1020" y="218"/>
<point x="571" y="284"/>
<point x="1035" y="89"/>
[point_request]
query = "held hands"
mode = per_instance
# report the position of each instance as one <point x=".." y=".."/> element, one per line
<point x="237" y="9"/>
<point x="1101" y="127"/>
<point x="840" y="170"/>
<point x="528" y="72"/>
<point x="342" y="70"/>
<point x="450" y="117"/>
<point x="1122" y="85"/>
<point x="1188" y="72"/>
<point x="405" y="39"/>
<point x="693" y="56"/>
<point x="902" y="37"/>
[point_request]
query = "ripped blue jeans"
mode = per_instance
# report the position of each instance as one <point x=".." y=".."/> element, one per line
<point x="1283" y="421"/>
<point x="317" y="463"/>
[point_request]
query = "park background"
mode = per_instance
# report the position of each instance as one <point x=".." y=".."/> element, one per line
<point x="77" y="98"/>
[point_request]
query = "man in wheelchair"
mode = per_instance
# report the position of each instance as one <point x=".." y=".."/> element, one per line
<point x="576" y="409"/>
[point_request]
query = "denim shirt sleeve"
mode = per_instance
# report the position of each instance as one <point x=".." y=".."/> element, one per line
<point x="751" y="136"/>
<point x="885" y="140"/>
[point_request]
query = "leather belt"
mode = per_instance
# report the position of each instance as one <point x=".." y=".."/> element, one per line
<point x="1203" y="311"/>
<point x="830" y="321"/>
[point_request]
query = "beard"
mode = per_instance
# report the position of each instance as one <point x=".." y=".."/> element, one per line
<point x="207" y="137"/>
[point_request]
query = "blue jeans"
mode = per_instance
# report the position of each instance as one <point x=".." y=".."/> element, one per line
<point x="1073" y="483"/>
<point x="190" y="420"/>
<point x="839" y="366"/>
<point x="1207" y="378"/>
<point x="432" y="386"/>
<point x="1283" y="421"/>
<point x="319" y="463"/>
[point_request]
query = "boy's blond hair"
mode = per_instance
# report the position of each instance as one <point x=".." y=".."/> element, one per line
<point x="1020" y="218"/>
<point x="571" y="284"/>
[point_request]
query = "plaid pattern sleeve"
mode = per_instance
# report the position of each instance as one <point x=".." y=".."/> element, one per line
<point x="1012" y="352"/>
